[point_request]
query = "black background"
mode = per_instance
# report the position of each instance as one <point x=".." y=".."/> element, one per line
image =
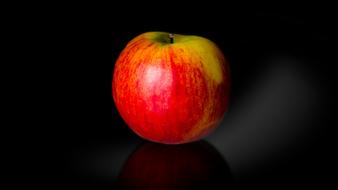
<point x="81" y="117"/>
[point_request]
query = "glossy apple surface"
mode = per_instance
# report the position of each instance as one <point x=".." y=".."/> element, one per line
<point x="171" y="89"/>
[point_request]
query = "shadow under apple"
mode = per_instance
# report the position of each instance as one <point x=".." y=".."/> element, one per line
<point x="195" y="165"/>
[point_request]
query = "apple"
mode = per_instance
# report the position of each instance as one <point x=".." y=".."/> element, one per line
<point x="171" y="88"/>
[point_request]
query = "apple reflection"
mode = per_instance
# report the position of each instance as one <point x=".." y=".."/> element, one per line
<point x="196" y="165"/>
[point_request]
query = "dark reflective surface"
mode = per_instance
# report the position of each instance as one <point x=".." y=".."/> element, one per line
<point x="196" y="165"/>
<point x="275" y="132"/>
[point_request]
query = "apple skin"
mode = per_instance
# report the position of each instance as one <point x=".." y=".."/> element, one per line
<point x="171" y="92"/>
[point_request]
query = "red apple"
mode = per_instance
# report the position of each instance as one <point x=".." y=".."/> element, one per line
<point x="171" y="88"/>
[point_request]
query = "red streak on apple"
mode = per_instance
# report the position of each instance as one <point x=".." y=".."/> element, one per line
<point x="171" y="93"/>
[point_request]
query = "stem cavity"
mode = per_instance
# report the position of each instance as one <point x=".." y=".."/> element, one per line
<point x="171" y="37"/>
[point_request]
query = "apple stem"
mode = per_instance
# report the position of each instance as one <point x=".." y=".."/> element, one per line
<point x="171" y="37"/>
